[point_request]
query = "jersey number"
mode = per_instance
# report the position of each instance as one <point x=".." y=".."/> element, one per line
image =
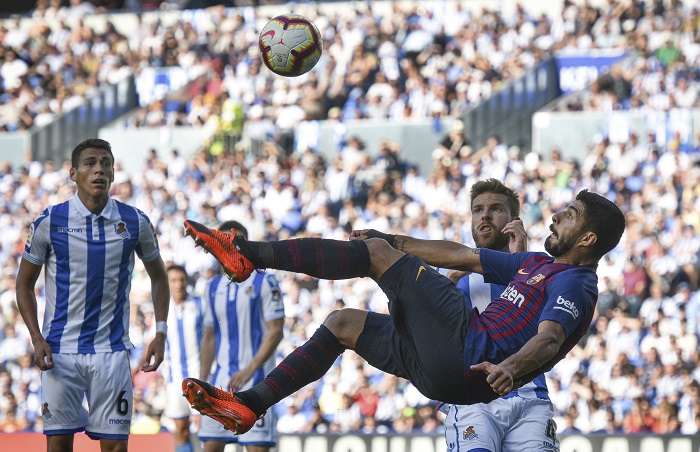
<point x="122" y="404"/>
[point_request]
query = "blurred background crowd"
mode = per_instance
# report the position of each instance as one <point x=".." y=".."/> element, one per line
<point x="636" y="371"/>
<point x="406" y="61"/>
<point x="638" y="368"/>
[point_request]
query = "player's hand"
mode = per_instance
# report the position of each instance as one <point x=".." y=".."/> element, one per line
<point x="43" y="357"/>
<point x="364" y="234"/>
<point x="239" y="379"/>
<point x="455" y="275"/>
<point x="154" y="354"/>
<point x="499" y="377"/>
<point x="517" y="237"/>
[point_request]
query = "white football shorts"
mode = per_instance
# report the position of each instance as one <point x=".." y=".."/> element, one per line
<point x="263" y="433"/>
<point x="504" y="425"/>
<point x="177" y="406"/>
<point x="104" y="379"/>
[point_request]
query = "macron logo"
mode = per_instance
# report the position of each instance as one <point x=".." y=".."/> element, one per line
<point x="567" y="306"/>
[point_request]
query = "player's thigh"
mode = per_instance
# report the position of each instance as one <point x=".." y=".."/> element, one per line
<point x="59" y="443"/>
<point x="110" y="396"/>
<point x="382" y="347"/>
<point x="427" y="308"/>
<point x="263" y="434"/>
<point x="214" y="446"/>
<point x="176" y="406"/>
<point x="113" y="445"/>
<point x="472" y="428"/>
<point x="534" y="429"/>
<point x="62" y="390"/>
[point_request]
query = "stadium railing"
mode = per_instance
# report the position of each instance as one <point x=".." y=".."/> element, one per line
<point x="508" y="112"/>
<point x="55" y="140"/>
<point x="571" y="132"/>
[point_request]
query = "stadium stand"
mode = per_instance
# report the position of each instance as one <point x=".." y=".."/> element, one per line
<point x="637" y="371"/>
<point x="645" y="337"/>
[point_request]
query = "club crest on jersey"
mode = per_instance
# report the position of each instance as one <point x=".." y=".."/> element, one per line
<point x="469" y="433"/>
<point x="121" y="230"/>
<point x="538" y="278"/>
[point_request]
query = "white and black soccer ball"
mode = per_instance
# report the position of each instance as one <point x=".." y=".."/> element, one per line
<point x="290" y="45"/>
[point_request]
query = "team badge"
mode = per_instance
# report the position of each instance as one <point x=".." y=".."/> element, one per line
<point x="538" y="278"/>
<point x="469" y="433"/>
<point x="45" y="413"/>
<point x="121" y="230"/>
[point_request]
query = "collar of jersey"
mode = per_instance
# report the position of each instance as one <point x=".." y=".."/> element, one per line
<point x="109" y="212"/>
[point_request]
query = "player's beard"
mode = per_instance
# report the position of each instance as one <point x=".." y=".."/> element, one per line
<point x="496" y="241"/>
<point x="559" y="247"/>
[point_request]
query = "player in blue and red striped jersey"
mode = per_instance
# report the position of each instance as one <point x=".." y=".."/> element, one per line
<point x="449" y="352"/>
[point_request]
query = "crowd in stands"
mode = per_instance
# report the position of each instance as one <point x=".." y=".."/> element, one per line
<point x="411" y="62"/>
<point x="662" y="70"/>
<point x="637" y="370"/>
<point x="396" y="61"/>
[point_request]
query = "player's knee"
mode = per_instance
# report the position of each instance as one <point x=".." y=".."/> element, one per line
<point x="346" y="325"/>
<point x="377" y="247"/>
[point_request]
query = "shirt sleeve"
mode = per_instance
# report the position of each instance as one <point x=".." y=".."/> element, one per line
<point x="271" y="294"/>
<point x="148" y="243"/>
<point x="568" y="302"/>
<point x="500" y="267"/>
<point x="463" y="285"/>
<point x="38" y="244"/>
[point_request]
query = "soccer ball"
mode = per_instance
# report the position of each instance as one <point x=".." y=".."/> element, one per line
<point x="290" y="45"/>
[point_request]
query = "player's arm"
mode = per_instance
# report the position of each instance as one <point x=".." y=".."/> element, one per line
<point x="270" y="341"/>
<point x="536" y="352"/>
<point x="438" y="253"/>
<point x="26" y="302"/>
<point x="206" y="352"/>
<point x="160" y="292"/>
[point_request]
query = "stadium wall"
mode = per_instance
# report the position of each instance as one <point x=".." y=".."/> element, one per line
<point x="22" y="442"/>
<point x="572" y="132"/>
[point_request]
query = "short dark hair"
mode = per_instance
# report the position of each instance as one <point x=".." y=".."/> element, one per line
<point x="495" y="186"/>
<point x="176" y="267"/>
<point x="89" y="143"/>
<point x="603" y="218"/>
<point x="232" y="224"/>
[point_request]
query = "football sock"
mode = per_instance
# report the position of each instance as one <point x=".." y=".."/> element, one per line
<point x="320" y="258"/>
<point x="307" y="363"/>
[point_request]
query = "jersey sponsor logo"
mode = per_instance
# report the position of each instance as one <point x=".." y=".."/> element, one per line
<point x="538" y="278"/>
<point x="567" y="306"/>
<point x="469" y="433"/>
<point x="121" y="230"/>
<point x="522" y="272"/>
<point x="113" y="421"/>
<point x="67" y="230"/>
<point x="511" y="294"/>
<point x="420" y="269"/>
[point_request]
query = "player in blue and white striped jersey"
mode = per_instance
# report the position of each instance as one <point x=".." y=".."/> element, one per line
<point x="185" y="323"/>
<point x="87" y="246"/>
<point x="242" y="328"/>
<point x="521" y="419"/>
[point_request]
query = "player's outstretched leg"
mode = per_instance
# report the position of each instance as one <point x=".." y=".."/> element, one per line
<point x="307" y="363"/>
<point x="321" y="258"/>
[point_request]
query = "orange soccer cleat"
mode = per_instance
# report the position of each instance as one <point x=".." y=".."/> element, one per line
<point x="222" y="246"/>
<point x="219" y="405"/>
